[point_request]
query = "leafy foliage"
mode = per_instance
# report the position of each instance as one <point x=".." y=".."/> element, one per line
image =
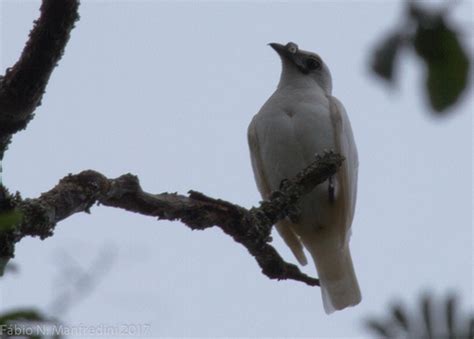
<point x="385" y="55"/>
<point x="434" y="319"/>
<point x="437" y="44"/>
<point x="19" y="323"/>
<point x="447" y="63"/>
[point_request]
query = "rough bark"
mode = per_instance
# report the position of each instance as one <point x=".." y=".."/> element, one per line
<point x="23" y="85"/>
<point x="249" y="227"/>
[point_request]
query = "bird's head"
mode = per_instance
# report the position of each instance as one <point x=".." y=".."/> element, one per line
<point x="300" y="66"/>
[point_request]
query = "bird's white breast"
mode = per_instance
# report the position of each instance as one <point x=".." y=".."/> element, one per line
<point x="292" y="126"/>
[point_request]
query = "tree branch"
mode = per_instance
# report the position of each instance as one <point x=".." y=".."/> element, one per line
<point x="23" y="85"/>
<point x="21" y="91"/>
<point x="251" y="228"/>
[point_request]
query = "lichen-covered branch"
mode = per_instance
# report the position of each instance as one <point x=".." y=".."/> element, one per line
<point x="251" y="228"/>
<point x="23" y="85"/>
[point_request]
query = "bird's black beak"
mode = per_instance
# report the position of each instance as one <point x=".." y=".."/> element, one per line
<point x="287" y="51"/>
<point x="291" y="53"/>
<point x="279" y="48"/>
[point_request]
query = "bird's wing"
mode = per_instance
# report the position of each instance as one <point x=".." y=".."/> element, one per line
<point x="256" y="160"/>
<point x="282" y="142"/>
<point x="347" y="175"/>
<point x="283" y="226"/>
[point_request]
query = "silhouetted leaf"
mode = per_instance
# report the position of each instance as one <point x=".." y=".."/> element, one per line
<point x="471" y="329"/>
<point x="446" y="61"/>
<point x="385" y="54"/>
<point x="450" y="315"/>
<point x="427" y="318"/>
<point x="378" y="328"/>
<point x="23" y="316"/>
<point x="400" y="317"/>
<point x="437" y="43"/>
<point x="432" y="319"/>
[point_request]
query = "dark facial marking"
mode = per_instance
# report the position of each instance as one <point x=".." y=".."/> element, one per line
<point x="313" y="64"/>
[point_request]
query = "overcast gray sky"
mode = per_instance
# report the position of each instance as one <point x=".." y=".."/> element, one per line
<point x="165" y="91"/>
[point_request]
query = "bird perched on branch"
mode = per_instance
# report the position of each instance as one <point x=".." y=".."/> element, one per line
<point x="302" y="119"/>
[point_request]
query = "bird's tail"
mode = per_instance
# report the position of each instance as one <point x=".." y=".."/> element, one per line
<point x="339" y="286"/>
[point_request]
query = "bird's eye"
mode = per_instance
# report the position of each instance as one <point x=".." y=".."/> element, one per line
<point x="313" y="64"/>
<point x="292" y="47"/>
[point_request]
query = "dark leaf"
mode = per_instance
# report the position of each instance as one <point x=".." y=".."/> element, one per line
<point x="400" y="317"/>
<point x="21" y="314"/>
<point x="471" y="328"/>
<point x="432" y="321"/>
<point x="384" y="58"/>
<point x="427" y="318"/>
<point x="447" y="63"/>
<point x="450" y="316"/>
<point x="381" y="330"/>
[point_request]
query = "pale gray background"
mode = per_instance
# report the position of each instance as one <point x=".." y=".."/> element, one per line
<point x="165" y="91"/>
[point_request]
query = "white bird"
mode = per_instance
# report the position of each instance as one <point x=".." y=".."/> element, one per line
<point x="302" y="119"/>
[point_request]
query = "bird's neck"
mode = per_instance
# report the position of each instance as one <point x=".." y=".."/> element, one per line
<point x="293" y="79"/>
